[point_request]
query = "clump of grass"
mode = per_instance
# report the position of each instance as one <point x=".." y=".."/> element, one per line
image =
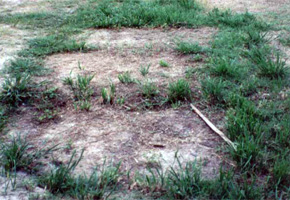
<point x="255" y="37"/>
<point x="285" y="40"/>
<point x="149" y="89"/>
<point x="227" y="18"/>
<point x="108" y="95"/>
<point x="179" y="91"/>
<point x="25" y="65"/>
<point x="281" y="173"/>
<point x="3" y="117"/>
<point x="224" y="67"/>
<point x="214" y="89"/>
<point x="185" y="47"/>
<point x="19" y="154"/>
<point x="126" y="78"/>
<point x="16" y="90"/>
<point x="274" y="69"/>
<point x="51" y="44"/>
<point x="185" y="182"/>
<point x="99" y="185"/>
<point x="82" y="90"/>
<point x="144" y="69"/>
<point x="163" y="63"/>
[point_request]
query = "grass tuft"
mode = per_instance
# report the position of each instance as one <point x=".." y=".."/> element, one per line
<point x="179" y="91"/>
<point x="188" y="48"/>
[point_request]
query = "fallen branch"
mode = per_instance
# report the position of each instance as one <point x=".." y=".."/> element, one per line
<point x="213" y="127"/>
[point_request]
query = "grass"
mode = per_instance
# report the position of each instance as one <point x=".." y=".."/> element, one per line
<point x="179" y="91"/>
<point x="16" y="90"/>
<point x="163" y="63"/>
<point x="47" y="45"/>
<point x="81" y="89"/>
<point x="149" y="89"/>
<point x="213" y="90"/>
<point x="25" y="65"/>
<point x="99" y="185"/>
<point x="144" y="69"/>
<point x="186" y="182"/>
<point x="285" y="40"/>
<point x="108" y="95"/>
<point x="245" y="75"/>
<point x="19" y="154"/>
<point x="225" y="68"/>
<point x="126" y="78"/>
<point x="185" y="47"/>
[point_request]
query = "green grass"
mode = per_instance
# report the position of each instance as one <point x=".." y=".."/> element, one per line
<point x="47" y="45"/>
<point x="186" y="182"/>
<point x="163" y="63"/>
<point x="19" y="154"/>
<point x="144" y="69"/>
<point x="149" y="89"/>
<point x="285" y="40"/>
<point x="213" y="89"/>
<point x="108" y="95"/>
<point x="185" y="47"/>
<point x="99" y="185"/>
<point x="81" y="89"/>
<point x="126" y="78"/>
<point x="16" y="90"/>
<point x="25" y="65"/>
<point x="179" y="91"/>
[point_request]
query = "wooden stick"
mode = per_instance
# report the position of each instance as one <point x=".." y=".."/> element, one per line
<point x="213" y="127"/>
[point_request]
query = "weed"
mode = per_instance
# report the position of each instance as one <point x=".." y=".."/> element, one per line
<point x="16" y="90"/>
<point x="179" y="91"/>
<point x="188" y="47"/>
<point x="144" y="70"/>
<point x="126" y="78"/>
<point x="47" y="115"/>
<point x="163" y="63"/>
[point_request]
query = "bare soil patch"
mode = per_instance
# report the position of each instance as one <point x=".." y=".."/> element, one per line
<point x="138" y="138"/>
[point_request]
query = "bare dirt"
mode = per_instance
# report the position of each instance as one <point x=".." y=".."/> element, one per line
<point x="137" y="138"/>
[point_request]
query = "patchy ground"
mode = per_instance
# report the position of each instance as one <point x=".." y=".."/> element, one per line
<point x="137" y="138"/>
